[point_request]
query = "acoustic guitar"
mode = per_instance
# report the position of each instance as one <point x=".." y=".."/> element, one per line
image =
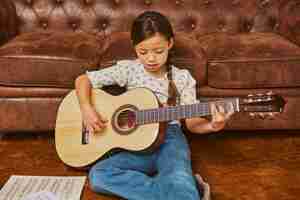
<point x="136" y="121"/>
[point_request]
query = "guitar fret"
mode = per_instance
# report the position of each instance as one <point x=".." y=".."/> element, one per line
<point x="197" y="109"/>
<point x="159" y="118"/>
<point x="190" y="110"/>
<point x="173" y="116"/>
<point x="172" y="113"/>
<point x="143" y="118"/>
<point x="150" y="116"/>
<point x="178" y="114"/>
<point x="140" y="117"/>
<point x="147" y="116"/>
<point x="168" y="113"/>
<point x="153" y="116"/>
<point x="184" y="111"/>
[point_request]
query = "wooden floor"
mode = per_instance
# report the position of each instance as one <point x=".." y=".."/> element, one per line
<point x="262" y="165"/>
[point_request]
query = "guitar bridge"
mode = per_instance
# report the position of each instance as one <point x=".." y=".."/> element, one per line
<point x="85" y="135"/>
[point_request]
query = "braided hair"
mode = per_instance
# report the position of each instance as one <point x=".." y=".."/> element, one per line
<point x="147" y="25"/>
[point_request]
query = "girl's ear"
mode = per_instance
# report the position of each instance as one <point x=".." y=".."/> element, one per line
<point x="171" y="43"/>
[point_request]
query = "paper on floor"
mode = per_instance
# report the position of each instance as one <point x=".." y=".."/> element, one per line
<point x="63" y="187"/>
<point x="44" y="195"/>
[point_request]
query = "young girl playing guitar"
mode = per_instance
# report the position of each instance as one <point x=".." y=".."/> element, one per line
<point x="128" y="174"/>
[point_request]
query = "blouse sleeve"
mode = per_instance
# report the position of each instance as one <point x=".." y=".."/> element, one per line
<point x="188" y="94"/>
<point x="115" y="75"/>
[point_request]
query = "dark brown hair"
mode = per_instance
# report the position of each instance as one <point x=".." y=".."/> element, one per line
<point x="146" y="25"/>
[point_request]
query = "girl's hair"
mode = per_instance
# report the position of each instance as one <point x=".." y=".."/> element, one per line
<point x="145" y="26"/>
<point x="148" y="24"/>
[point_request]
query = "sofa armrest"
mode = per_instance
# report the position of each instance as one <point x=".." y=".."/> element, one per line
<point x="8" y="21"/>
<point x="290" y="21"/>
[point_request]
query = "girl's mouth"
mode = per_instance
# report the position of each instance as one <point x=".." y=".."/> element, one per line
<point x="152" y="65"/>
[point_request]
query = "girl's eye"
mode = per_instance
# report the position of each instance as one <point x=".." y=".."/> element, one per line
<point x="159" y="52"/>
<point x="142" y="52"/>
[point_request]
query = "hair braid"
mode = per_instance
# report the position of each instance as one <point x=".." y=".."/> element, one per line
<point x="172" y="89"/>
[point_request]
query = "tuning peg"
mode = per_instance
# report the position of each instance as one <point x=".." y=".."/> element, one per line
<point x="249" y="98"/>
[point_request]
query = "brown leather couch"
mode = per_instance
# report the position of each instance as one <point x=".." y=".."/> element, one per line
<point x="232" y="47"/>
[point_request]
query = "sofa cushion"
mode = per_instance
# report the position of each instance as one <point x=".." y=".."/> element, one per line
<point x="255" y="60"/>
<point x="48" y="59"/>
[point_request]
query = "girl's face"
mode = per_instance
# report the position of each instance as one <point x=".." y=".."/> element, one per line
<point x="153" y="53"/>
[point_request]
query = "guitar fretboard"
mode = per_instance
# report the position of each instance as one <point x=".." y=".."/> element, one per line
<point x="180" y="112"/>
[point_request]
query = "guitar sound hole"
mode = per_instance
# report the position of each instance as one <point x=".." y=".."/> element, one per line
<point x="126" y="120"/>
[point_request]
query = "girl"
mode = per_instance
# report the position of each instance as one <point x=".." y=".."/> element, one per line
<point x="165" y="173"/>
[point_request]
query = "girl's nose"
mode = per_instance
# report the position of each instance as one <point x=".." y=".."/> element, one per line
<point x="151" y="57"/>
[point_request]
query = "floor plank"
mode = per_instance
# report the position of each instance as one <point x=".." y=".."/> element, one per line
<point x="261" y="165"/>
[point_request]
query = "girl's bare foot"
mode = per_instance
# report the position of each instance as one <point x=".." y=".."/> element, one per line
<point x="205" y="186"/>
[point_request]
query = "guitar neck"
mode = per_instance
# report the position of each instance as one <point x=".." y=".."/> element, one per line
<point x="181" y="112"/>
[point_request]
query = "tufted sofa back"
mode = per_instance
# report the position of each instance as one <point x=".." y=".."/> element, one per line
<point x="8" y="22"/>
<point x="193" y="17"/>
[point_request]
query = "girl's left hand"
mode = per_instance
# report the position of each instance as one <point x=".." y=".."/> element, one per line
<point x="219" y="116"/>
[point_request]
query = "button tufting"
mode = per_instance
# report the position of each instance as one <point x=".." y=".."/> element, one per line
<point x="276" y="26"/>
<point x="193" y="26"/>
<point x="249" y="27"/>
<point x="265" y="3"/>
<point x="177" y="2"/>
<point x="59" y="1"/>
<point x="29" y="2"/>
<point x="117" y="1"/>
<point x="148" y="2"/>
<point x="44" y="25"/>
<point x="104" y="25"/>
<point x="221" y="26"/>
<point x="74" y="26"/>
<point x="88" y="1"/>
<point x="207" y="2"/>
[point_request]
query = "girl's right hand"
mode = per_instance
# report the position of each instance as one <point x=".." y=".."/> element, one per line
<point x="92" y="120"/>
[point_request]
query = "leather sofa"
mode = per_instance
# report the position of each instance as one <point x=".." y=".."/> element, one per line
<point x="232" y="47"/>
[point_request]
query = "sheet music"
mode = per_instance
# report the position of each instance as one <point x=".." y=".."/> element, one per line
<point x="62" y="187"/>
<point x="41" y="196"/>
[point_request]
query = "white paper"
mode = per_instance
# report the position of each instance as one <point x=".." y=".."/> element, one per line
<point x="44" y="195"/>
<point x="62" y="187"/>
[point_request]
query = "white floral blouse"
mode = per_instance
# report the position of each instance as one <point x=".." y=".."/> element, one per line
<point x="131" y="74"/>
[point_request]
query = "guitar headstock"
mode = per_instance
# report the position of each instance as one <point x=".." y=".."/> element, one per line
<point x="262" y="105"/>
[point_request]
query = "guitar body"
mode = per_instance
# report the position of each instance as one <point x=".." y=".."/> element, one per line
<point x="77" y="148"/>
<point x="136" y="122"/>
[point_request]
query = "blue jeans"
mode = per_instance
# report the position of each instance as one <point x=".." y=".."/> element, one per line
<point x="165" y="174"/>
